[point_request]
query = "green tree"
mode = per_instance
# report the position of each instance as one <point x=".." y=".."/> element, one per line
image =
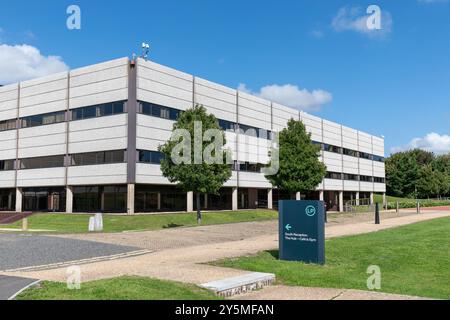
<point x="427" y="185"/>
<point x="191" y="170"/>
<point x="300" y="169"/>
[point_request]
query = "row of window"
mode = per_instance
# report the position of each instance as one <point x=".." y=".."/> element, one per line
<point x="353" y="177"/>
<point x="349" y="152"/>
<point x="82" y="159"/>
<point x="159" y="111"/>
<point x="155" y="110"/>
<point x="101" y="110"/>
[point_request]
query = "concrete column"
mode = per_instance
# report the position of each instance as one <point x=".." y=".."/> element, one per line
<point x="19" y="195"/>
<point x="130" y="199"/>
<point x="190" y="201"/>
<point x="321" y="195"/>
<point x="159" y="201"/>
<point x="102" y="200"/>
<point x="10" y="201"/>
<point x="357" y="198"/>
<point x="235" y="206"/>
<point x="371" y="198"/>
<point x="341" y="201"/>
<point x="270" y="199"/>
<point x="69" y="200"/>
<point x="298" y="196"/>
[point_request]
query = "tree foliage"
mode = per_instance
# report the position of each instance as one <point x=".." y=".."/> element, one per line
<point x="300" y="169"/>
<point x="418" y="174"/>
<point x="203" y="177"/>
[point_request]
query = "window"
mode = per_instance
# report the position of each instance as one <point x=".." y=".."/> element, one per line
<point x="153" y="157"/>
<point x="248" y="167"/>
<point x="351" y="177"/>
<point x="379" y="180"/>
<point x="316" y="143"/>
<point x="44" y="119"/>
<point x="334" y="175"/>
<point x="248" y="130"/>
<point x="378" y="158"/>
<point x="227" y="125"/>
<point x="351" y="153"/>
<point x="101" y="110"/>
<point x="6" y="165"/>
<point x="95" y="158"/>
<point x="42" y="162"/>
<point x="365" y="178"/>
<point x="7" y="125"/>
<point x="158" y="111"/>
<point x="331" y="148"/>
<point x="365" y="155"/>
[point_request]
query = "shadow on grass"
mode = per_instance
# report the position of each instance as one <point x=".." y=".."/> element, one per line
<point x="172" y="225"/>
<point x="274" y="253"/>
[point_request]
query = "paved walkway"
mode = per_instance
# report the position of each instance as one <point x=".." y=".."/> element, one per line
<point x="183" y="265"/>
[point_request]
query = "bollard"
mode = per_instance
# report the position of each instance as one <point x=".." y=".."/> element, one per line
<point x="25" y="224"/>
<point x="418" y="207"/>
<point x="377" y="213"/>
<point x="398" y="207"/>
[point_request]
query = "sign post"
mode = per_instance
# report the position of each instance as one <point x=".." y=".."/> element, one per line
<point x="302" y="231"/>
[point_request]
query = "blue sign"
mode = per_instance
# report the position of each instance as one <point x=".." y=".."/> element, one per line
<point x="302" y="231"/>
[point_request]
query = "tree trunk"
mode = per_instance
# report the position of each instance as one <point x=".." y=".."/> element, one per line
<point x="199" y="212"/>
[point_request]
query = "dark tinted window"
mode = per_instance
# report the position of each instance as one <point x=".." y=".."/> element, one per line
<point x="43" y="119"/>
<point x="153" y="157"/>
<point x="100" y="110"/>
<point x="365" y="179"/>
<point x="351" y="153"/>
<point x="334" y="175"/>
<point x="331" y="148"/>
<point x="378" y="180"/>
<point x="95" y="158"/>
<point x="365" y="155"/>
<point x="7" y="125"/>
<point x="351" y="177"/>
<point x="42" y="162"/>
<point x="6" y="165"/>
<point x="158" y="111"/>
<point x="378" y="158"/>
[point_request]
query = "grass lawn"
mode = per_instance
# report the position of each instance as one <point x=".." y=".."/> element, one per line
<point x="123" y="288"/>
<point x="72" y="223"/>
<point x="414" y="260"/>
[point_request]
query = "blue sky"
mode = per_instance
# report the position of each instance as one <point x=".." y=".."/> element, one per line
<point x="393" y="82"/>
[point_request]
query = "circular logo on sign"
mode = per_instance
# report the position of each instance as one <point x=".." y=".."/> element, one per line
<point x="310" y="211"/>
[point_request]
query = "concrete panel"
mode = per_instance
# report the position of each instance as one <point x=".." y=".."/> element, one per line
<point x="41" y="177"/>
<point x="8" y="101"/>
<point x="7" y="179"/>
<point x="8" y="145"/>
<point x="253" y="180"/>
<point x="150" y="174"/>
<point x="97" y="134"/>
<point x="97" y="175"/>
<point x="42" y="141"/>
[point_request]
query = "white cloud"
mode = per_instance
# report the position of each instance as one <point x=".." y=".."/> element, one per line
<point x="292" y="96"/>
<point x="23" y="62"/>
<point x="434" y="142"/>
<point x="355" y="19"/>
